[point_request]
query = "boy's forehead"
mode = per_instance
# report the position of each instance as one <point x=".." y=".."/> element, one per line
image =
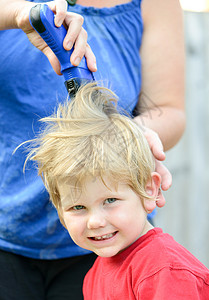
<point x="71" y="191"/>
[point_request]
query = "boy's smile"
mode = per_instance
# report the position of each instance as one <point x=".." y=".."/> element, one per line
<point x="105" y="218"/>
<point x="103" y="237"/>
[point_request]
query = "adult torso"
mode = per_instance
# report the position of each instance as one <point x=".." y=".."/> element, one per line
<point x="29" y="90"/>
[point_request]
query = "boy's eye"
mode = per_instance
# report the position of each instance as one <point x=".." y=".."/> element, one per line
<point x="110" y="200"/>
<point x="77" y="207"/>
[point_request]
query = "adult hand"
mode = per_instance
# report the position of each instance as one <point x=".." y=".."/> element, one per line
<point x="76" y="35"/>
<point x="157" y="150"/>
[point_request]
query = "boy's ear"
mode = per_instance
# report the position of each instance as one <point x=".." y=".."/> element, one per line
<point x="152" y="189"/>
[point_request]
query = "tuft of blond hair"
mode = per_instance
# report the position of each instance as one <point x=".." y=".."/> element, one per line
<point x="87" y="136"/>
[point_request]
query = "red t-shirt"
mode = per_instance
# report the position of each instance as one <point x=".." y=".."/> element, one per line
<point x="155" y="267"/>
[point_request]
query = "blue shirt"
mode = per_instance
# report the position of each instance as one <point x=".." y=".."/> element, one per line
<point x="29" y="90"/>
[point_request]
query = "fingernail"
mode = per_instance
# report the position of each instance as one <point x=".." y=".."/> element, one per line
<point x="69" y="45"/>
<point x="95" y="66"/>
<point x="77" y="61"/>
<point x="57" y="22"/>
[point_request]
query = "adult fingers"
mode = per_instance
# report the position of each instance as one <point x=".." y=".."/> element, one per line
<point x="52" y="59"/>
<point x="155" y="143"/>
<point x="90" y="59"/>
<point x="160" y="202"/>
<point x="166" y="176"/>
<point x="59" y="7"/>
<point x="76" y="36"/>
<point x="75" y="32"/>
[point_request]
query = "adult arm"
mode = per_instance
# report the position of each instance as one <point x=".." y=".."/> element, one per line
<point x="161" y="104"/>
<point x="15" y="14"/>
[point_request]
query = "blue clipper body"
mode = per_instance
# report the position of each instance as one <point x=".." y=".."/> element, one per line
<point x="42" y="20"/>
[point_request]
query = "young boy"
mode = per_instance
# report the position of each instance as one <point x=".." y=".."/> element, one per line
<point x="99" y="171"/>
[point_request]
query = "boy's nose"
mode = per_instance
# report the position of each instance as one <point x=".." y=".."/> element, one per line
<point x="96" y="220"/>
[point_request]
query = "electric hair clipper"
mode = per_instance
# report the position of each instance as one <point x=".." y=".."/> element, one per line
<point x="42" y="20"/>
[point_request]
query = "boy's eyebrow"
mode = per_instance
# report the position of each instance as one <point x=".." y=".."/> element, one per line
<point x="65" y="201"/>
<point x="70" y="198"/>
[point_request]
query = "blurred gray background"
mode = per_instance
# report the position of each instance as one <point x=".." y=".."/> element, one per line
<point x="186" y="213"/>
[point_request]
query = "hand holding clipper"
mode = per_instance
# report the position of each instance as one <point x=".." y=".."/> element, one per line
<point x="42" y="20"/>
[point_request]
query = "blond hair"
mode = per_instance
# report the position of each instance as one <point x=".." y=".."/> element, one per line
<point x="88" y="137"/>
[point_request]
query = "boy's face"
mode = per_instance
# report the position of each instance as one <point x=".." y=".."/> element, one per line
<point x="103" y="220"/>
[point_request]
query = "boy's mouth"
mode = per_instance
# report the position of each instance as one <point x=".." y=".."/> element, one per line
<point x="103" y="237"/>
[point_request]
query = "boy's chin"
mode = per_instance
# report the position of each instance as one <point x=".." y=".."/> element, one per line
<point x="107" y="252"/>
